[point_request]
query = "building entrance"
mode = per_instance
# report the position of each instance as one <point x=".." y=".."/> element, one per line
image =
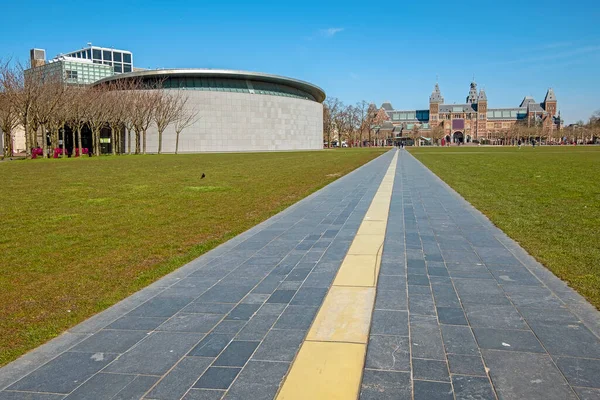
<point x="458" y="137"/>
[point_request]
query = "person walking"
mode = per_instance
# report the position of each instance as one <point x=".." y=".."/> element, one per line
<point x="519" y="143"/>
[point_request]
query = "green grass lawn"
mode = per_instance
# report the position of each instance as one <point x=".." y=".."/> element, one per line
<point x="78" y="235"/>
<point x="547" y="199"/>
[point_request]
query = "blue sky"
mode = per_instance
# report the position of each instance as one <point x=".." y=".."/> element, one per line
<point x="375" y="51"/>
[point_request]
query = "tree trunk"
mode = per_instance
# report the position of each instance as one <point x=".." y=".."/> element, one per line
<point x="113" y="148"/>
<point x="27" y="139"/>
<point x="44" y="142"/>
<point x="159" y="141"/>
<point x="137" y="142"/>
<point x="129" y="141"/>
<point x="144" y="142"/>
<point x="79" y="140"/>
<point x="176" y="142"/>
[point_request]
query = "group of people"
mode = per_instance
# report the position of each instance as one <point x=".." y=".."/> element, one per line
<point x="522" y="142"/>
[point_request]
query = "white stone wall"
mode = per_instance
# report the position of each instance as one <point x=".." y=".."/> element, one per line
<point x="245" y="122"/>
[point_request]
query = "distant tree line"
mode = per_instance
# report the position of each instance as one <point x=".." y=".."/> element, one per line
<point x="44" y="106"/>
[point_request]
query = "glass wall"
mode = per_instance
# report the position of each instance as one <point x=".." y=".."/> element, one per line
<point x="121" y="61"/>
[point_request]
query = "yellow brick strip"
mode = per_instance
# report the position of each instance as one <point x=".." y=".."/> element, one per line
<point x="330" y="362"/>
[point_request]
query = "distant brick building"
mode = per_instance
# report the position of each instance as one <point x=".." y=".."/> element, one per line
<point x="470" y="120"/>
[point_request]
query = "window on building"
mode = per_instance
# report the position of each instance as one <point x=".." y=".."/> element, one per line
<point x="126" y="67"/>
<point x="127" y="58"/>
<point x="118" y="67"/>
<point x="117" y="56"/>
<point x="107" y="55"/>
<point x="71" y="75"/>
<point x="88" y="54"/>
<point x="97" y="54"/>
<point x="434" y="117"/>
<point x="481" y="116"/>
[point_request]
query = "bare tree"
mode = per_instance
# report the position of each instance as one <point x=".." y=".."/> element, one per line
<point x="9" y="112"/>
<point x="370" y="121"/>
<point x="331" y="107"/>
<point x="185" y="117"/>
<point x="166" y="110"/>
<point x="361" y="113"/>
<point x="143" y="113"/>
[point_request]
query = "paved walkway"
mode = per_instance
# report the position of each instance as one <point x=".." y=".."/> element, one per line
<point x="460" y="311"/>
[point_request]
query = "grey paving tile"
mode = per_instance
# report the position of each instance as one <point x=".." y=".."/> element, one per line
<point x="109" y="341"/>
<point x="567" y="339"/>
<point x="279" y="345"/>
<point x="272" y="309"/>
<point x="436" y="271"/>
<point x="391" y="267"/>
<point x="217" y="378"/>
<point x="388" y="322"/>
<point x="309" y="296"/>
<point x="212" y="345"/>
<point x="136" y="389"/>
<point x="538" y="297"/>
<point x="466" y="365"/>
<point x="161" y="307"/>
<point x="257" y="327"/>
<point x="156" y="354"/>
<point x="298" y="274"/>
<point x="199" y="323"/>
<point x="508" y="340"/>
<point x="515" y="276"/>
<point x="417" y="289"/>
<point x="390" y="353"/>
<point x="268" y="285"/>
<point x="290" y="285"/>
<point x="426" y="339"/>
<point x="259" y="380"/>
<point x="418" y="280"/>
<point x="391" y="300"/>
<point x="64" y="373"/>
<point x="296" y="317"/>
<point x="243" y="312"/>
<point x="445" y="296"/>
<point x="391" y="282"/>
<point x="451" y="316"/>
<point x="319" y="279"/>
<point x="281" y="296"/>
<point x="472" y="387"/>
<point x="426" y="390"/>
<point x="421" y="304"/>
<point x="137" y="323"/>
<point x="459" y="340"/>
<point x="491" y="316"/>
<point x="204" y="394"/>
<point x="585" y="393"/>
<point x="225" y="293"/>
<point x="176" y="383"/>
<point x="229" y="326"/>
<point x="430" y="370"/>
<point x="8" y="395"/>
<point x="236" y="353"/>
<point x="101" y="386"/>
<point x="526" y="376"/>
<point x="378" y="385"/>
<point x="580" y="371"/>
<point x="208" y="308"/>
<point x="255" y="298"/>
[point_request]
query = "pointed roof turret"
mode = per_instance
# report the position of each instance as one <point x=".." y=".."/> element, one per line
<point x="550" y="96"/>
<point x="482" y="96"/>
<point x="387" y="106"/>
<point x="472" y="97"/>
<point x="436" y="95"/>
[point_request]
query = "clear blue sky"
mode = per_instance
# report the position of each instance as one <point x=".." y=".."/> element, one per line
<point x="375" y="51"/>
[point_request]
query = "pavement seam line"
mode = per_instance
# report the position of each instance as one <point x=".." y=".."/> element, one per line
<point x="330" y="362"/>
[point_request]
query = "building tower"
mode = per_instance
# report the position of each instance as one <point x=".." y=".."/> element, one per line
<point x="482" y="114"/>
<point x="550" y="106"/>
<point x="434" y="106"/>
<point x="472" y="97"/>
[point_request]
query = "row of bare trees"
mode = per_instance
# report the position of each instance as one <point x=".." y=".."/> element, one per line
<point x="43" y="106"/>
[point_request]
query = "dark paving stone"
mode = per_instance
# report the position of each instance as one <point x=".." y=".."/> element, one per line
<point x="236" y="354"/>
<point x="532" y="296"/>
<point x="296" y="317"/>
<point x="255" y="298"/>
<point x="583" y="393"/>
<point x="391" y="268"/>
<point x="433" y="271"/>
<point x="508" y="340"/>
<point x="415" y="289"/>
<point x="580" y="371"/>
<point x="161" y="307"/>
<point x="243" y="312"/>
<point x="258" y="381"/>
<point x="466" y="365"/>
<point x="229" y="326"/>
<point x="425" y="390"/>
<point x="30" y="396"/>
<point x="445" y="296"/>
<point x="281" y="296"/>
<point x="390" y="353"/>
<point x="418" y="280"/>
<point x="462" y="271"/>
<point x="490" y="316"/>
<point x="426" y="338"/>
<point x="472" y="387"/>
<point x="413" y="263"/>
<point x="459" y="340"/>
<point x="257" y="327"/>
<point x="391" y="282"/>
<point x="109" y="341"/>
<point x="298" y="274"/>
<point x="421" y="304"/>
<point x="225" y="293"/>
<point x="204" y="394"/>
<point x="451" y="316"/>
<point x="391" y="300"/>
<point x="460" y="257"/>
<point x="290" y="285"/>
<point x="515" y="276"/>
<point x="217" y="378"/>
<point x="200" y="323"/>
<point x="101" y="386"/>
<point x="137" y="323"/>
<point x="309" y="296"/>
<point x="430" y="370"/>
<point x="497" y="255"/>
<point x="268" y="285"/>
<point x="378" y="385"/>
<point x="388" y="322"/>
<point x="136" y="389"/>
<point x="174" y="385"/>
<point x="211" y="345"/>
<point x="567" y="339"/>
<point x="279" y="345"/>
<point x="156" y="354"/>
<point x="208" y="308"/>
<point x="526" y="376"/>
<point x="64" y="373"/>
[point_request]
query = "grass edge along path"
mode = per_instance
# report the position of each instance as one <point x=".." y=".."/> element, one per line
<point x="546" y="199"/>
<point x="79" y="235"/>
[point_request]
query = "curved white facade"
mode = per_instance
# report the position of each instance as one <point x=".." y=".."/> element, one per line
<point x="229" y="122"/>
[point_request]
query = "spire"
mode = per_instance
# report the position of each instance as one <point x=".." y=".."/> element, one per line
<point x="550" y="96"/>
<point x="472" y="97"/>
<point x="436" y="95"/>
<point x="482" y="95"/>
